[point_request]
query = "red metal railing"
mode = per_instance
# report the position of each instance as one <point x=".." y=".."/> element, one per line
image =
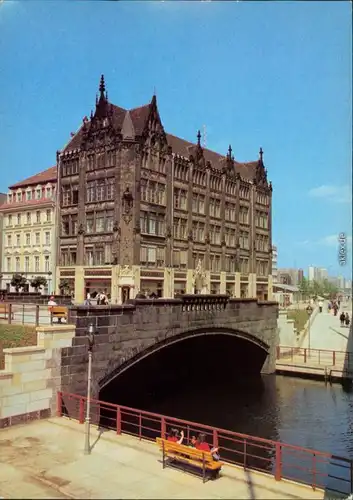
<point x="283" y="461"/>
<point x="315" y="356"/>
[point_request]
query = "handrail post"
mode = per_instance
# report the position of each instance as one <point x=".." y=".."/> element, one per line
<point x="304" y="354"/>
<point x="140" y="426"/>
<point x="333" y="358"/>
<point x="10" y="314"/>
<point x="37" y="315"/>
<point x="278" y="463"/>
<point x="163" y="428"/>
<point x="245" y="454"/>
<point x="215" y="438"/>
<point x="314" y="472"/>
<point x="59" y="404"/>
<point x="118" y="420"/>
<point x="81" y="415"/>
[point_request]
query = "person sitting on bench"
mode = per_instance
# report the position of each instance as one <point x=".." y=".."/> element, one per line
<point x="174" y="436"/>
<point x="192" y="442"/>
<point x="202" y="445"/>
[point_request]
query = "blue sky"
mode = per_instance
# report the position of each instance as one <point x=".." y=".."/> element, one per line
<point x="270" y="74"/>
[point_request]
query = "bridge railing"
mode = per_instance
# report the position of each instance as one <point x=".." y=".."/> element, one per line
<point x="324" y="357"/>
<point x="283" y="461"/>
<point x="24" y="314"/>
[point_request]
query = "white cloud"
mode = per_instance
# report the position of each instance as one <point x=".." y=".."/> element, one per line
<point x="333" y="240"/>
<point x="336" y="194"/>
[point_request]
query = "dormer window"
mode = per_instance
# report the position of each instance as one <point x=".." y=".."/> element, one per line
<point x="38" y="194"/>
<point x="9" y="197"/>
<point x="29" y="195"/>
<point x="47" y="192"/>
<point x="19" y="196"/>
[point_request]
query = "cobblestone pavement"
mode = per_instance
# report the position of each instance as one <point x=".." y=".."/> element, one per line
<point x="44" y="459"/>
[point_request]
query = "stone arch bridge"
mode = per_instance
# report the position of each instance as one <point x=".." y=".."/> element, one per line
<point x="127" y="333"/>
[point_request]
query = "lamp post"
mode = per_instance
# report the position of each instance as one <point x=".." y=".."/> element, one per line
<point x="49" y="280"/>
<point x="309" y="310"/>
<point x="90" y="338"/>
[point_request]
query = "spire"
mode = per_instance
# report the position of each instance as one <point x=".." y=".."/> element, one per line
<point x="199" y="139"/>
<point x="102" y="87"/>
<point x="261" y="154"/>
<point x="230" y="152"/>
<point x="154" y="99"/>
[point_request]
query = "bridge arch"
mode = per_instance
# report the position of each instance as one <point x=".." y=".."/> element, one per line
<point x="168" y="341"/>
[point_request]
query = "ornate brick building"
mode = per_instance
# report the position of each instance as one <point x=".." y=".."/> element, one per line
<point x="143" y="210"/>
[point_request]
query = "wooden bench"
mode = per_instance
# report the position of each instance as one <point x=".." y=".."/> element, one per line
<point x="58" y="312"/>
<point x="179" y="453"/>
<point x="5" y="309"/>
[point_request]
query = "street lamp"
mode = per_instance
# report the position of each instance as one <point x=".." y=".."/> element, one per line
<point x="90" y="338"/>
<point x="309" y="310"/>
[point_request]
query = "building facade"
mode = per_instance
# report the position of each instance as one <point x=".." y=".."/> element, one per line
<point x="141" y="210"/>
<point x="290" y="276"/>
<point x="317" y="273"/>
<point x="274" y="264"/>
<point x="29" y="230"/>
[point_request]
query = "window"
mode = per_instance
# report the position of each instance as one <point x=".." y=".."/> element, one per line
<point x="47" y="238"/>
<point x="18" y="219"/>
<point x="18" y="240"/>
<point x="65" y="228"/>
<point x="8" y="264"/>
<point x="19" y="196"/>
<point x="10" y="220"/>
<point x="66" y="196"/>
<point x="38" y="217"/>
<point x="89" y="257"/>
<point x="38" y="194"/>
<point x="75" y="196"/>
<point x="179" y="259"/>
<point x="100" y="190"/>
<point x="36" y="264"/>
<point x="180" y="199"/>
<point x="46" y="263"/>
<point x="28" y="238"/>
<point x="108" y="253"/>
<point x="47" y="192"/>
<point x="29" y="195"/>
<point x="73" y="255"/>
<point x="28" y="217"/>
<point x="89" y="223"/>
<point x="37" y="238"/>
<point x="110" y="189"/>
<point x="17" y="264"/>
<point x="90" y="192"/>
<point x="64" y="258"/>
<point x="109" y="222"/>
<point x="100" y="222"/>
<point x="48" y="215"/>
<point x="9" y="240"/>
<point x="99" y="257"/>
<point x="27" y="264"/>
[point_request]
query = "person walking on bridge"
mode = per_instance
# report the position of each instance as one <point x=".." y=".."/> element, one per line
<point x="320" y="305"/>
<point x="342" y="318"/>
<point x="347" y="320"/>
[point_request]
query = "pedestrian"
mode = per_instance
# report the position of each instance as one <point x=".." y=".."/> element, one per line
<point x="347" y="320"/>
<point x="320" y="305"/>
<point x="342" y="318"/>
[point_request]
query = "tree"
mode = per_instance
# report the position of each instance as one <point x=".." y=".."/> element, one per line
<point x="64" y="286"/>
<point x="304" y="288"/>
<point x="38" y="282"/>
<point x="329" y="289"/>
<point x="18" y="281"/>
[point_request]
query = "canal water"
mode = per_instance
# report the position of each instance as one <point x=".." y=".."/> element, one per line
<point x="214" y="382"/>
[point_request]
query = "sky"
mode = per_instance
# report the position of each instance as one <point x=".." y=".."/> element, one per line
<point x="271" y="74"/>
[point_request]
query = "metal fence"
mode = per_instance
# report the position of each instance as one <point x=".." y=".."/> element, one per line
<point x="323" y="357"/>
<point x="26" y="314"/>
<point x="282" y="461"/>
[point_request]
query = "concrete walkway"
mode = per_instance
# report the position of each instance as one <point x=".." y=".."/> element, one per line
<point x="44" y="459"/>
<point x="326" y="332"/>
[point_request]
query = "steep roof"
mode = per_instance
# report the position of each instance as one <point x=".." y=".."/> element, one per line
<point x="48" y="175"/>
<point x="139" y="117"/>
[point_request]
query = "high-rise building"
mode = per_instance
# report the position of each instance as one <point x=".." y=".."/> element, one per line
<point x="317" y="273"/>
<point x="141" y="210"/>
<point x="29" y="230"/>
